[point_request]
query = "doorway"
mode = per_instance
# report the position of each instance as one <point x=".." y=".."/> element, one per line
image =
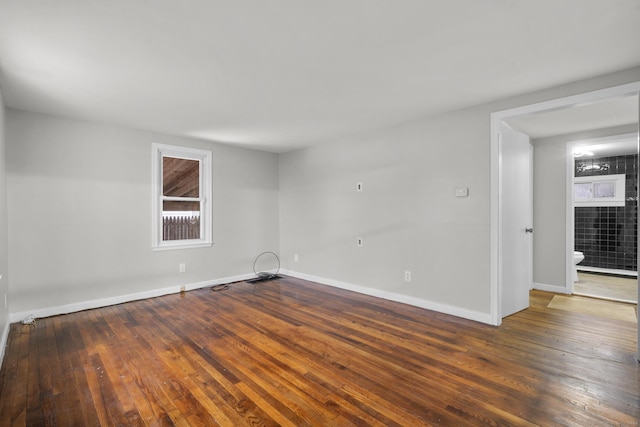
<point x="606" y="220"/>
<point x="537" y="112"/>
<point x="498" y="119"/>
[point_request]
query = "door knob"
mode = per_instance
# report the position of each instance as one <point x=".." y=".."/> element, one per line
<point x="528" y="230"/>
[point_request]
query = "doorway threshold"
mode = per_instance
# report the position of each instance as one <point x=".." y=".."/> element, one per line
<point x="612" y="271"/>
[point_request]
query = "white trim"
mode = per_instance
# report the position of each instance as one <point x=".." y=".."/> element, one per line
<point x="183" y="244"/>
<point x="205" y="158"/>
<point x="391" y="296"/>
<point x="495" y="223"/>
<point x="637" y="253"/>
<point x="496" y="202"/>
<point x="550" y="288"/>
<point x="569" y="221"/>
<point x="87" y="305"/>
<point x="4" y="338"/>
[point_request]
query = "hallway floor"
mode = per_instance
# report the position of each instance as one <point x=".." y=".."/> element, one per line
<point x="607" y="287"/>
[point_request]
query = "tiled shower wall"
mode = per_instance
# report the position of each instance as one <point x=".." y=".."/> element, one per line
<point x="607" y="235"/>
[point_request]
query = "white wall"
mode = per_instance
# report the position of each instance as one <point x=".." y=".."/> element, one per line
<point x="4" y="255"/>
<point x="549" y="213"/>
<point x="79" y="210"/>
<point x="407" y="214"/>
<point x="80" y="213"/>
<point x="550" y="200"/>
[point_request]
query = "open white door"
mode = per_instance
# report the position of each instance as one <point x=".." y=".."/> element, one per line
<point x="516" y="222"/>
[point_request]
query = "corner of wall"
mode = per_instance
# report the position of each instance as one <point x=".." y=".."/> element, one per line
<point x="476" y="316"/>
<point x="4" y="338"/>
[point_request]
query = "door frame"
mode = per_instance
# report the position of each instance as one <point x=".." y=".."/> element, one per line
<point x="497" y="118"/>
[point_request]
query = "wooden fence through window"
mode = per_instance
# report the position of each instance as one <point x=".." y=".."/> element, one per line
<point x="180" y="227"/>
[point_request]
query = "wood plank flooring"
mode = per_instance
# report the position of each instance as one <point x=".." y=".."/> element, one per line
<point x="294" y="353"/>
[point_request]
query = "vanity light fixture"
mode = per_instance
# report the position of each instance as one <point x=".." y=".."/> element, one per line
<point x="596" y="167"/>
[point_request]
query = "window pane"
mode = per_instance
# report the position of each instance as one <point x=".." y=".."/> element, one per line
<point x="180" y="220"/>
<point x="180" y="177"/>
<point x="582" y="191"/>
<point x="604" y="189"/>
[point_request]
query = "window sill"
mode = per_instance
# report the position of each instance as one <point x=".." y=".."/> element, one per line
<point x="184" y="245"/>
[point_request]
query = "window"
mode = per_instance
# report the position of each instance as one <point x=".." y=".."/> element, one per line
<point x="600" y="190"/>
<point x="181" y="186"/>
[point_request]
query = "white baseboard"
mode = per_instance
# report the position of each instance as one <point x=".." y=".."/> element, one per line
<point x="406" y="299"/>
<point x="86" y="305"/>
<point x="3" y="339"/>
<point x="550" y="288"/>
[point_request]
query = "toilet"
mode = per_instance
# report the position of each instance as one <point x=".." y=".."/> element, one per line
<point x="578" y="257"/>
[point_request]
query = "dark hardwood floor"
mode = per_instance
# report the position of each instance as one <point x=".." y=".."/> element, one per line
<point x="290" y="352"/>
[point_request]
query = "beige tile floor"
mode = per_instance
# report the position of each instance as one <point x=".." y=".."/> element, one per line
<point x="594" y="307"/>
<point x="607" y="287"/>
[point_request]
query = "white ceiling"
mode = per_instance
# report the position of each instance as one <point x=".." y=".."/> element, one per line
<point x="608" y="113"/>
<point x="613" y="146"/>
<point x="597" y="115"/>
<point x="282" y="74"/>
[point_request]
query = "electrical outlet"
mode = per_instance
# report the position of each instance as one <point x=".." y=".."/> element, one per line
<point x="359" y="241"/>
<point x="182" y="267"/>
<point x="359" y="187"/>
<point x="407" y="276"/>
<point x="296" y="258"/>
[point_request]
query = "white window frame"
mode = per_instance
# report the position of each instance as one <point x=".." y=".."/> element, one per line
<point x="589" y="199"/>
<point x="205" y="158"/>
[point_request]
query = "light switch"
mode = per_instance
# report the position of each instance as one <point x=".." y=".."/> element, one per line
<point x="461" y="192"/>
